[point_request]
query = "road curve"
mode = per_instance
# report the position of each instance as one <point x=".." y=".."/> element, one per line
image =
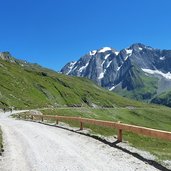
<point x="31" y="146"/>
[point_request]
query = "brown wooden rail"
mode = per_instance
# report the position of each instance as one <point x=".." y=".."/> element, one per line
<point x="119" y="126"/>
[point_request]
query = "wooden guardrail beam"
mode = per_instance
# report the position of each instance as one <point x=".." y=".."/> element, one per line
<point x="119" y="126"/>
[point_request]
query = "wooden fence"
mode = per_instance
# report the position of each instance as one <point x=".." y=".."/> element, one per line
<point x="119" y="126"/>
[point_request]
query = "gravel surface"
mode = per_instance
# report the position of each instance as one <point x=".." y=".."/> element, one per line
<point x="30" y="146"/>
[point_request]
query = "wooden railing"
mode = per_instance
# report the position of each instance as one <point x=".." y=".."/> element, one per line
<point x="119" y="126"/>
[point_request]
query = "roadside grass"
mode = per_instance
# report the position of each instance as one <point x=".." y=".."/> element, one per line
<point x="157" y="118"/>
<point x="1" y="145"/>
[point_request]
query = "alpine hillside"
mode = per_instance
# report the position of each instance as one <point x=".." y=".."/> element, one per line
<point x="26" y="85"/>
<point x="139" y="71"/>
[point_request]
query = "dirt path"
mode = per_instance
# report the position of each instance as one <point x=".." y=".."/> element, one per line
<point x="30" y="146"/>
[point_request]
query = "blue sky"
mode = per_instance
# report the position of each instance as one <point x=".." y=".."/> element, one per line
<point x="54" y="32"/>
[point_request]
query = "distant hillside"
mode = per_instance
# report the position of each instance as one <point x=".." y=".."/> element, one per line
<point x="26" y="85"/>
<point x="163" y="99"/>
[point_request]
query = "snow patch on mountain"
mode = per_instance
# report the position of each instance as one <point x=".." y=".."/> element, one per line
<point x="83" y="67"/>
<point x="71" y="67"/>
<point x="126" y="57"/>
<point x="108" y="64"/>
<point x="101" y="75"/>
<point x="106" y="56"/>
<point x="105" y="59"/>
<point x="104" y="49"/>
<point x="148" y="47"/>
<point x="103" y="63"/>
<point x="112" y="88"/>
<point x="162" y="58"/>
<point x="116" y="53"/>
<point x="93" y="52"/>
<point x="165" y="75"/>
<point x="119" y="68"/>
<point x="129" y="51"/>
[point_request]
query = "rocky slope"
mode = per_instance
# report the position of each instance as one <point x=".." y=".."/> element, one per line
<point x="139" y="72"/>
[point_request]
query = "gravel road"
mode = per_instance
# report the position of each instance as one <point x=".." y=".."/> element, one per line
<point x="30" y="146"/>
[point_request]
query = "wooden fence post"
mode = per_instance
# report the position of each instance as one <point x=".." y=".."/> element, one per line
<point x="31" y="117"/>
<point x="42" y="118"/>
<point x="57" y="121"/>
<point x="119" y="135"/>
<point x="81" y="126"/>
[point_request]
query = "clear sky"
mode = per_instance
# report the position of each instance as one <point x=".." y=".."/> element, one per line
<point x="54" y="32"/>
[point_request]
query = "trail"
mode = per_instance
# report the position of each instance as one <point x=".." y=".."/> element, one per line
<point x="30" y="146"/>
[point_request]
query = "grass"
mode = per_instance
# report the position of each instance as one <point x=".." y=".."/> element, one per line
<point x="157" y="118"/>
<point x="163" y="98"/>
<point x="1" y="145"/>
<point x="141" y="87"/>
<point x="36" y="87"/>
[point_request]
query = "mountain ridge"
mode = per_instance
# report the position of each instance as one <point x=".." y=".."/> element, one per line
<point x="111" y="69"/>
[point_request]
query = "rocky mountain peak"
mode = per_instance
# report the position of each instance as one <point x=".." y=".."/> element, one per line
<point x="6" y="56"/>
<point x="137" y="45"/>
<point x="135" y="67"/>
<point x="140" y="47"/>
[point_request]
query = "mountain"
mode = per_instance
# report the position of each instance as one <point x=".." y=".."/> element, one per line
<point x="26" y="85"/>
<point x="139" y="71"/>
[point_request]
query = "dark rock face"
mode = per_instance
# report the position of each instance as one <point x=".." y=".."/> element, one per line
<point x="131" y="68"/>
<point x="6" y="56"/>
